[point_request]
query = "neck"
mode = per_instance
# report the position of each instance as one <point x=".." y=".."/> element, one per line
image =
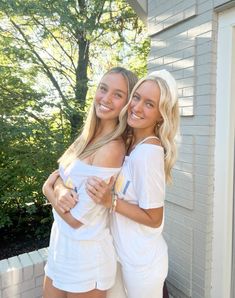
<point x="105" y="127"/>
<point x="140" y="134"/>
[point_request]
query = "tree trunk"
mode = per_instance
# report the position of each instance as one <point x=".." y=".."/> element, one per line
<point x="81" y="87"/>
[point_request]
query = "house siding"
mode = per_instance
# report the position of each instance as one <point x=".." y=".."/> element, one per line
<point x="184" y="41"/>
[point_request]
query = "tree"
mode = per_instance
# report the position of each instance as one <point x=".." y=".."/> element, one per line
<point x="51" y="55"/>
<point x="62" y="40"/>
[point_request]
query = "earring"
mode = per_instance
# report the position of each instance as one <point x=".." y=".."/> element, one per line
<point x="158" y="125"/>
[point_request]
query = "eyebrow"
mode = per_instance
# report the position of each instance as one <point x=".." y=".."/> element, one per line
<point x="136" y="93"/>
<point x="119" y="90"/>
<point x="148" y="99"/>
<point x="152" y="101"/>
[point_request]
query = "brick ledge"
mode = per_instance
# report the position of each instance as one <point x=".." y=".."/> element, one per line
<point x="22" y="276"/>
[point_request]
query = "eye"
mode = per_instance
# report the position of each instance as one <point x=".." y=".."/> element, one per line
<point x="149" y="105"/>
<point x="102" y="88"/>
<point x="135" y="97"/>
<point x="118" y="95"/>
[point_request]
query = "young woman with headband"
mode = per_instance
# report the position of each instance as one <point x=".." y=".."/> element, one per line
<point x="137" y="203"/>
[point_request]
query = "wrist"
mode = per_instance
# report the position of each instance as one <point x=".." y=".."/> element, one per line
<point x="46" y="189"/>
<point x="114" y="202"/>
<point x="58" y="189"/>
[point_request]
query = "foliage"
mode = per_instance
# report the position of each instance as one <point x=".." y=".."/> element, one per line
<point x="64" y="41"/>
<point x="51" y="55"/>
<point x="27" y="156"/>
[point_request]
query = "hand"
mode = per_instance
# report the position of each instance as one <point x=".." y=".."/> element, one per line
<point x="66" y="198"/>
<point x="100" y="191"/>
<point x="49" y="183"/>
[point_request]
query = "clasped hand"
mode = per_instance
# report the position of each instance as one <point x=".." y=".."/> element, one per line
<point x="100" y="191"/>
<point x="66" y="198"/>
<point x="58" y="194"/>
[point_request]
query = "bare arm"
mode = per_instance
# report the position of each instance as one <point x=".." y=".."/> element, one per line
<point x="48" y="191"/>
<point x="148" y="217"/>
<point x="66" y="197"/>
<point x="63" y="198"/>
<point x="100" y="192"/>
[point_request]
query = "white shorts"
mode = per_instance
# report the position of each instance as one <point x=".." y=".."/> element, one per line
<point x="148" y="282"/>
<point x="78" y="266"/>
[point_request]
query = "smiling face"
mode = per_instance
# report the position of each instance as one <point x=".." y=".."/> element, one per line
<point x="143" y="110"/>
<point x="111" y="96"/>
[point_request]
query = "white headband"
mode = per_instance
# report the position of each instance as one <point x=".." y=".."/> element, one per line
<point x="170" y="81"/>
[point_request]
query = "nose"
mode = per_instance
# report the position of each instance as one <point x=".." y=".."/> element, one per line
<point x="137" y="106"/>
<point x="107" y="97"/>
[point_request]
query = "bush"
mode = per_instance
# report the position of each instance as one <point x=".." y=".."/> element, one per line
<point x="28" y="154"/>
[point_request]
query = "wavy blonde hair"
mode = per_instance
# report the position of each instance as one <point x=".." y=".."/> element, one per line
<point x="81" y="147"/>
<point x="166" y="130"/>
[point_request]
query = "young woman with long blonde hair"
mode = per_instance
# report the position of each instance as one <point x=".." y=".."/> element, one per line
<point x="81" y="259"/>
<point x="137" y="202"/>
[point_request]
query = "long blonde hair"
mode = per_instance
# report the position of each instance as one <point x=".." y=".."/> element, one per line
<point x="81" y="147"/>
<point x="168" y="106"/>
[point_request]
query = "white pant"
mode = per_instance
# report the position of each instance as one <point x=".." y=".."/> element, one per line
<point x="145" y="283"/>
<point x="118" y="290"/>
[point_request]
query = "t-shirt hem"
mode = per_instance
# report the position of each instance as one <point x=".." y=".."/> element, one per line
<point x="151" y="206"/>
<point x="79" y="217"/>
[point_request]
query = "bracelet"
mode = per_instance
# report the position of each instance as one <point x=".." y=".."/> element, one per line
<point x="114" y="202"/>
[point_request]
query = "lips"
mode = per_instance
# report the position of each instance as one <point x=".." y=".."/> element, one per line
<point x="104" y="108"/>
<point x="135" y="117"/>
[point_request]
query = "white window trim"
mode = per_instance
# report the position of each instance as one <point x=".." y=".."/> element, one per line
<point x="224" y="157"/>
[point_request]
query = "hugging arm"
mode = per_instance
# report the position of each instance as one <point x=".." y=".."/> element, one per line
<point x="48" y="191"/>
<point x="64" y="199"/>
<point x="148" y="180"/>
<point x="67" y="198"/>
<point x="148" y="217"/>
<point x="101" y="193"/>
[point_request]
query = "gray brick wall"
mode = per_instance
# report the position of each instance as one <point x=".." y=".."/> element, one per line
<point x="221" y="2"/>
<point x="184" y="41"/>
<point x="22" y="276"/>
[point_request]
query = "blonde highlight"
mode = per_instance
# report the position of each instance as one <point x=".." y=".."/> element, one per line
<point x="82" y="146"/>
<point x="166" y="130"/>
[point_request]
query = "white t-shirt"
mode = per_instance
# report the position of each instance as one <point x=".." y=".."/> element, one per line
<point x="93" y="216"/>
<point x="141" y="182"/>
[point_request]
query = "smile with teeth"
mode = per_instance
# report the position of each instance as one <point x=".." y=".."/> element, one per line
<point x="104" y="108"/>
<point x="135" y="117"/>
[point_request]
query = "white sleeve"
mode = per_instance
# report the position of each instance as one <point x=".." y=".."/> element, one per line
<point x="86" y="209"/>
<point x="149" y="177"/>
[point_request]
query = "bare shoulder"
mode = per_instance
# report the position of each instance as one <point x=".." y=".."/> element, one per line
<point x="110" y="155"/>
<point x="153" y="141"/>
